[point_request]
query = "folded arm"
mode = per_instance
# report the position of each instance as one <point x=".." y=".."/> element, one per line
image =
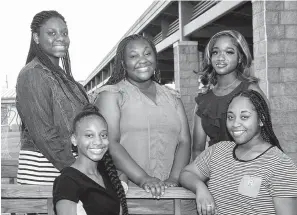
<point x="194" y="179"/>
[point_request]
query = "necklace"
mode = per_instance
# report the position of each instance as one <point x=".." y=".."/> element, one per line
<point x="225" y="88"/>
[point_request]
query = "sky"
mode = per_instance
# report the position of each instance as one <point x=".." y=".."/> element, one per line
<point x="95" y="27"/>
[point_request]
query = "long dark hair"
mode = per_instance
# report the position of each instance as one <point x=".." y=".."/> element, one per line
<point x="91" y="110"/>
<point x="119" y="70"/>
<point x="263" y="113"/>
<point x="35" y="51"/>
<point x="209" y="76"/>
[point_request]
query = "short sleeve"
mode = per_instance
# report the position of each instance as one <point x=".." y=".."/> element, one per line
<point x="172" y="95"/>
<point x="65" y="188"/>
<point x="201" y="104"/>
<point x="284" y="178"/>
<point x="113" y="89"/>
<point x="202" y="161"/>
<point x="174" y="92"/>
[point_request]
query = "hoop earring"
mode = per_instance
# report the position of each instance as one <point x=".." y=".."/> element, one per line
<point x="157" y="76"/>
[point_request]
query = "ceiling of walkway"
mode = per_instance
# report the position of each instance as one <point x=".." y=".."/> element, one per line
<point x="239" y="19"/>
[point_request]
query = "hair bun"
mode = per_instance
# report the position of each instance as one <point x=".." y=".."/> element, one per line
<point x="90" y="108"/>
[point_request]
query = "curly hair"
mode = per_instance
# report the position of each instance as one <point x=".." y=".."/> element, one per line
<point x="36" y="51"/>
<point x="263" y="113"/>
<point x="91" y="110"/>
<point x="243" y="68"/>
<point x="119" y="70"/>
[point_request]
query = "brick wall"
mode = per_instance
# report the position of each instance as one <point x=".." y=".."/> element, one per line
<point x="275" y="51"/>
<point x="186" y="80"/>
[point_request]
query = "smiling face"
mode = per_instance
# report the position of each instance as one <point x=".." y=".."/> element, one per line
<point x="224" y="56"/>
<point x="91" y="137"/>
<point x="139" y="60"/>
<point x="53" y="38"/>
<point x="242" y="121"/>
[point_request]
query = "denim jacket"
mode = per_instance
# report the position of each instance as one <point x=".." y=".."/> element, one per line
<point x="47" y="109"/>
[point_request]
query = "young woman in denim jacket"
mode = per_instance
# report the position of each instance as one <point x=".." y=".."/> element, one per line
<point x="48" y="98"/>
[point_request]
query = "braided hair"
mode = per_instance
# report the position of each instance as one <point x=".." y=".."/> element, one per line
<point x="209" y="75"/>
<point x="91" y="110"/>
<point x="262" y="110"/>
<point x="35" y="51"/>
<point x="119" y="71"/>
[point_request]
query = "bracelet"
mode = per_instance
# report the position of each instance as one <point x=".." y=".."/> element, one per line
<point x="125" y="186"/>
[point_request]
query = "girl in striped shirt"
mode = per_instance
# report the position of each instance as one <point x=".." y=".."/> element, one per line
<point x="249" y="176"/>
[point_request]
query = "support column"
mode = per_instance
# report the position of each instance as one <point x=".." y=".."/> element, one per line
<point x="185" y="11"/>
<point x="275" y="53"/>
<point x="91" y="83"/>
<point x="111" y="64"/>
<point x="97" y="81"/>
<point x="186" y="80"/>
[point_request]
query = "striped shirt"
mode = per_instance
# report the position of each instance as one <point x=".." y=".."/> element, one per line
<point x="247" y="187"/>
<point x="35" y="168"/>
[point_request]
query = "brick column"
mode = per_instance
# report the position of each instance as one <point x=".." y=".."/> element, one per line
<point x="186" y="80"/>
<point x="275" y="51"/>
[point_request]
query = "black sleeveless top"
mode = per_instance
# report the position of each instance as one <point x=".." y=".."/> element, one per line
<point x="212" y="110"/>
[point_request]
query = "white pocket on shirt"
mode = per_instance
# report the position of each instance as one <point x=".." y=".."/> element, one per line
<point x="250" y="185"/>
